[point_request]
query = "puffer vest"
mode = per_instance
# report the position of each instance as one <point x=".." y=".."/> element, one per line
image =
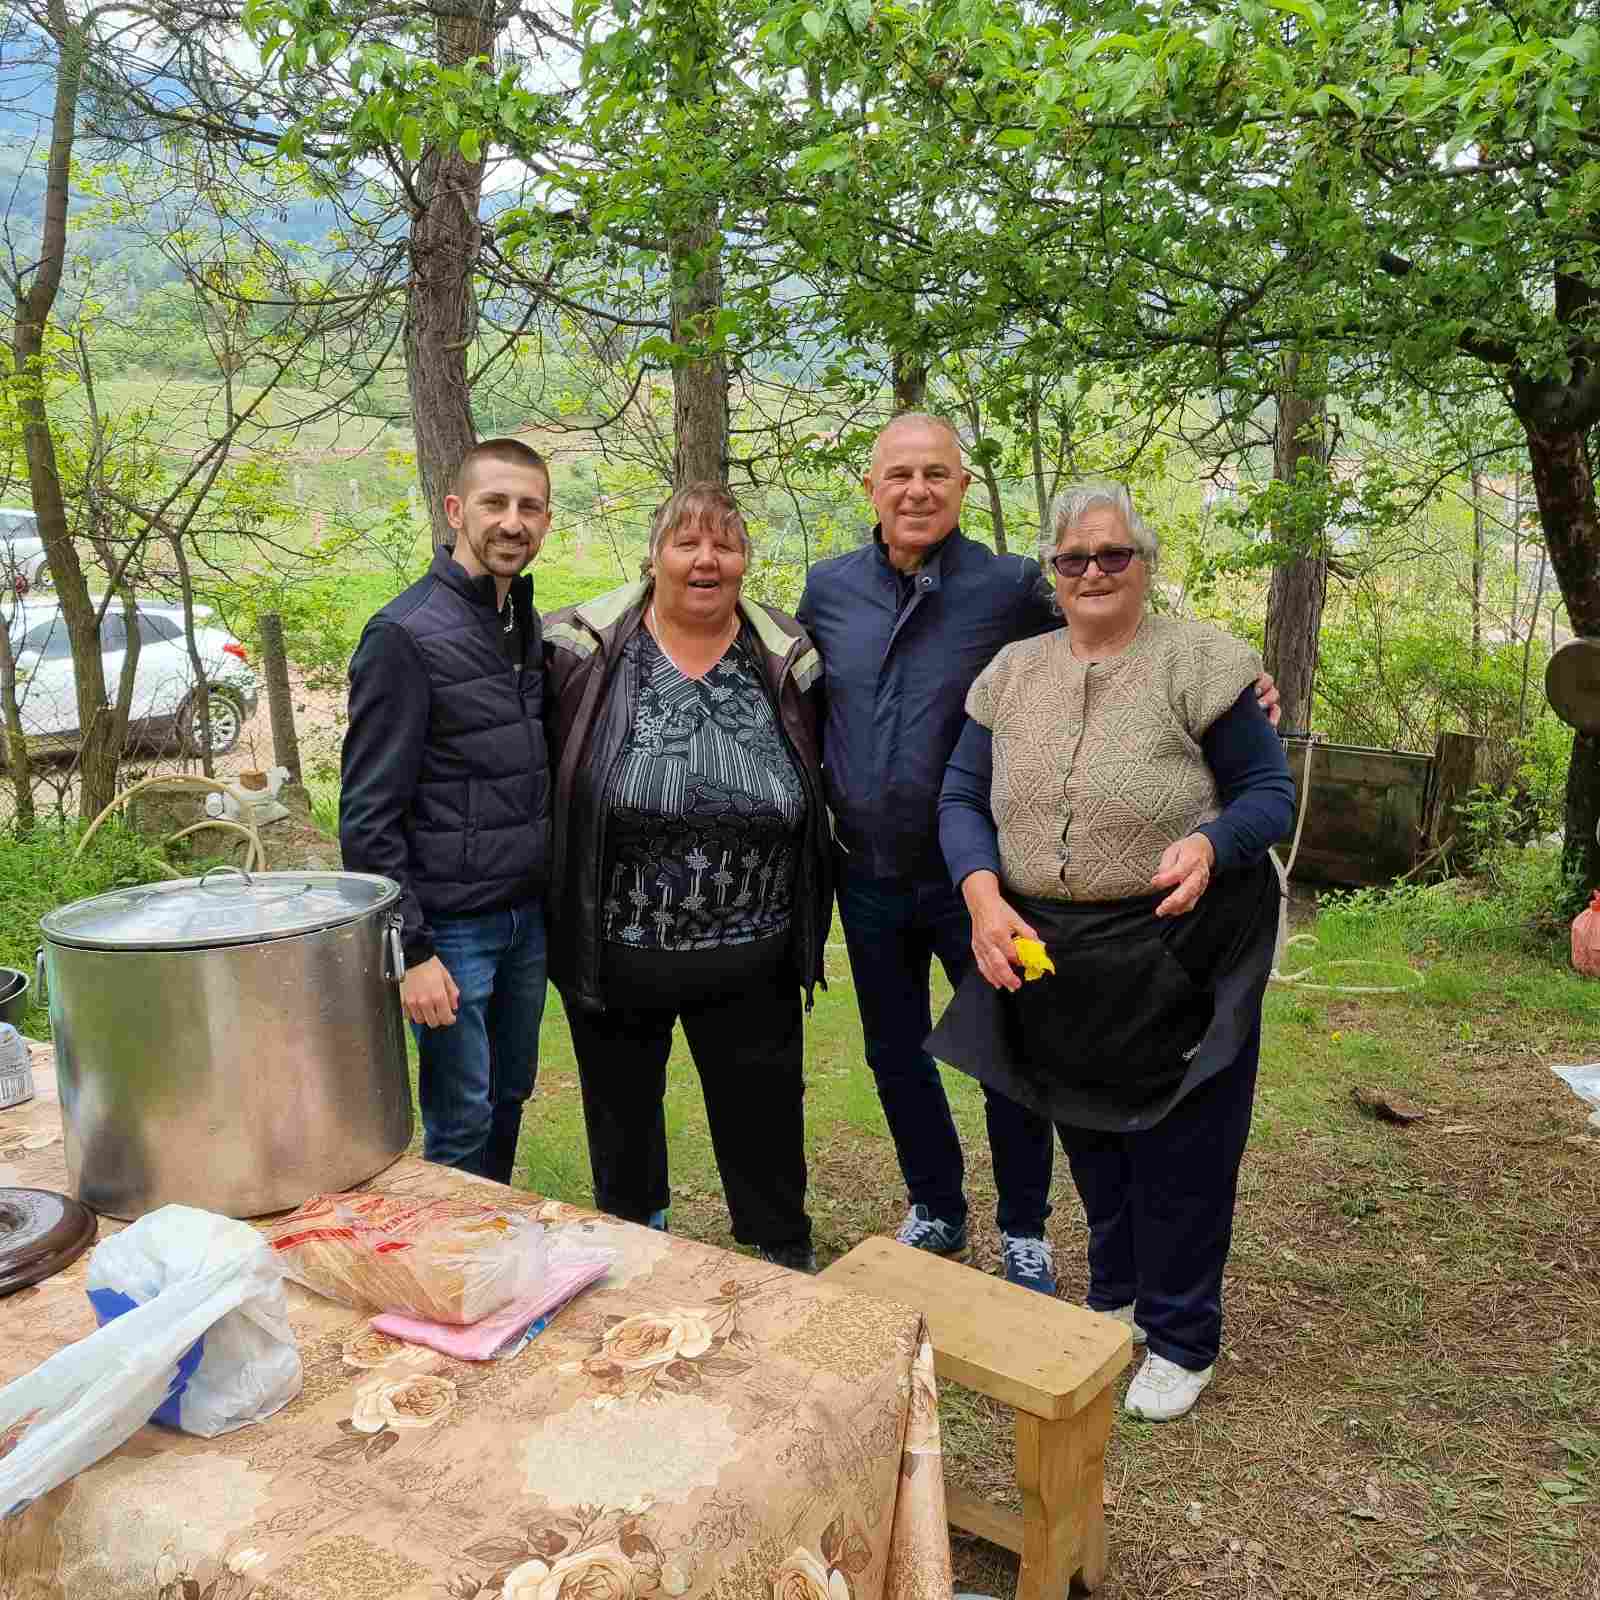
<point x="1097" y="765"/>
<point x="478" y="828"/>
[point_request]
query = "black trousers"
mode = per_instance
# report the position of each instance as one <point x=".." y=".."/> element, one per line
<point x="1160" y="1205"/>
<point x="740" y="1010"/>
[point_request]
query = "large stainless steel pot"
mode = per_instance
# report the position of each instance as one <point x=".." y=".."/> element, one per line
<point x="230" y="1042"/>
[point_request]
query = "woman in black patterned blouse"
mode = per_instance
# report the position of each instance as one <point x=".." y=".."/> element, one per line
<point x="690" y="879"/>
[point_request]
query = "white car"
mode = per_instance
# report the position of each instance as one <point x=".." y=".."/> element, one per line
<point x="22" y="564"/>
<point x="165" y="704"/>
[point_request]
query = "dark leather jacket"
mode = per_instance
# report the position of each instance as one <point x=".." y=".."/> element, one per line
<point x="589" y="704"/>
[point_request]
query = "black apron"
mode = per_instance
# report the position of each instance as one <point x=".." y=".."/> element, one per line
<point x="1140" y="1010"/>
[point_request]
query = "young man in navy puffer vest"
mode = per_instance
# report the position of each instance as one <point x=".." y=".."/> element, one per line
<point x="446" y="789"/>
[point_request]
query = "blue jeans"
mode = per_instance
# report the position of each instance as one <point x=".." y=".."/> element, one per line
<point x="893" y="927"/>
<point x="477" y="1072"/>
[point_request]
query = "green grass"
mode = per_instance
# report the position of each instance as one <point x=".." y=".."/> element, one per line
<point x="40" y="872"/>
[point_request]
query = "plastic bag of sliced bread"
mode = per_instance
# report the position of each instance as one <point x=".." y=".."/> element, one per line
<point x="454" y="1261"/>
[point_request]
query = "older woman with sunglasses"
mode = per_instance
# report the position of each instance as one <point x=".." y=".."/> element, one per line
<point x="1113" y="795"/>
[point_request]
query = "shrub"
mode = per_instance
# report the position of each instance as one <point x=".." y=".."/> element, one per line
<point x="1520" y="900"/>
<point x="39" y="872"/>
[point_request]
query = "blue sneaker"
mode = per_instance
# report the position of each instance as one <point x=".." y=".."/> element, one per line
<point x="657" y="1220"/>
<point x="1028" y="1261"/>
<point x="924" y="1231"/>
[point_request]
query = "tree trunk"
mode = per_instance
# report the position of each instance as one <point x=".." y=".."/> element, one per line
<point x="16" y="746"/>
<point x="1527" y="648"/>
<point x="1041" y="491"/>
<point x="1516" y="554"/>
<point x="441" y="309"/>
<point x="100" y="741"/>
<point x="280" y="702"/>
<point x="699" y="387"/>
<point x="1477" y="571"/>
<point x="1563" y="485"/>
<point x="1299" y="586"/>
<point x="997" y="511"/>
<point x="200" y="694"/>
<point x="910" y="382"/>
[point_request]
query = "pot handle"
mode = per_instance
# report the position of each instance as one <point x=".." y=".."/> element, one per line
<point x="211" y="872"/>
<point x="38" y="975"/>
<point x="394" y="966"/>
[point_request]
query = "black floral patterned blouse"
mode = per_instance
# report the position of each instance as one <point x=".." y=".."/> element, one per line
<point x="704" y="810"/>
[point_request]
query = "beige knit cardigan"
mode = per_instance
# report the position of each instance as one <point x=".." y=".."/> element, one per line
<point x="1097" y="765"/>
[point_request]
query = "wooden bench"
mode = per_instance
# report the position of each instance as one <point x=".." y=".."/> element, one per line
<point x="1053" y="1364"/>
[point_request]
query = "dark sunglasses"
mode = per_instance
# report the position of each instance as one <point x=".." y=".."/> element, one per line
<point x="1073" y="563"/>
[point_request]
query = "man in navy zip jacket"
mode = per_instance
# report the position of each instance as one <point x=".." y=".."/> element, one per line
<point x="446" y="789"/>
<point x="903" y="626"/>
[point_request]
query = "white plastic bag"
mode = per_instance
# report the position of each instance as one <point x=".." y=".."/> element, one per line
<point x="1585" y="1083"/>
<point x="195" y="1334"/>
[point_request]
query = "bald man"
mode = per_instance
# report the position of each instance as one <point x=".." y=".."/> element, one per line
<point x="904" y="625"/>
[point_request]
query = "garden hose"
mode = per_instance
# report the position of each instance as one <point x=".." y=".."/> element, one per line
<point x="255" y="857"/>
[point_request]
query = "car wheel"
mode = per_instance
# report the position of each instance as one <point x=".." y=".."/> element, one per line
<point x="227" y="723"/>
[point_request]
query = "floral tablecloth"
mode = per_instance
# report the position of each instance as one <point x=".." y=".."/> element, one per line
<point x="697" y="1424"/>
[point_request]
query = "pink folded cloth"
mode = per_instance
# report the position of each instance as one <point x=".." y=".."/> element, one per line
<point x="569" y="1270"/>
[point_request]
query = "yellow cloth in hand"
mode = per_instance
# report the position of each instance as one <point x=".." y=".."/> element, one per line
<point x="1035" y="961"/>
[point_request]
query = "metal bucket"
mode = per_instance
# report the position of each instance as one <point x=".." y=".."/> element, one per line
<point x="234" y="1044"/>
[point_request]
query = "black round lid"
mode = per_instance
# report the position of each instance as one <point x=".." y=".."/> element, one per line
<point x="1572" y="684"/>
<point x="40" y="1233"/>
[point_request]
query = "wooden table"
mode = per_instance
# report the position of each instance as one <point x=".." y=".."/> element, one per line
<point x="697" y="1424"/>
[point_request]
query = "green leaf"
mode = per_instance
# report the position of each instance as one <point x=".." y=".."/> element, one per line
<point x="1307" y="10"/>
<point x="411" y="139"/>
<point x="1050" y="87"/>
<point x="1492" y="57"/>
<point x="655" y="348"/>
<point x="1014" y="138"/>
<point x="1583" y="45"/>
<point x="815" y="24"/>
<point x="470" y="145"/>
<point x="1346" y="99"/>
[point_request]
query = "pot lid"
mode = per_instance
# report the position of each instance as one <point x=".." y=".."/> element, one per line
<point x="1572" y="683"/>
<point x="40" y="1233"/>
<point x="225" y="906"/>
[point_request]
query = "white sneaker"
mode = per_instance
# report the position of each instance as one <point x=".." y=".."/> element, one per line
<point x="1125" y="1314"/>
<point x="1162" y="1391"/>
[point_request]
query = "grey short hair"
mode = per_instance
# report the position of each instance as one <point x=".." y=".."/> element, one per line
<point x="1075" y="502"/>
<point x="919" y="419"/>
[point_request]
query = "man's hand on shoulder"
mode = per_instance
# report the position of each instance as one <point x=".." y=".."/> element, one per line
<point x="1267" y="696"/>
<point x="428" y="994"/>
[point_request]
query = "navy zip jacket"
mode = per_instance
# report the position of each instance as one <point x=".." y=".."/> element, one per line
<point x="899" y="652"/>
<point x="445" y="776"/>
